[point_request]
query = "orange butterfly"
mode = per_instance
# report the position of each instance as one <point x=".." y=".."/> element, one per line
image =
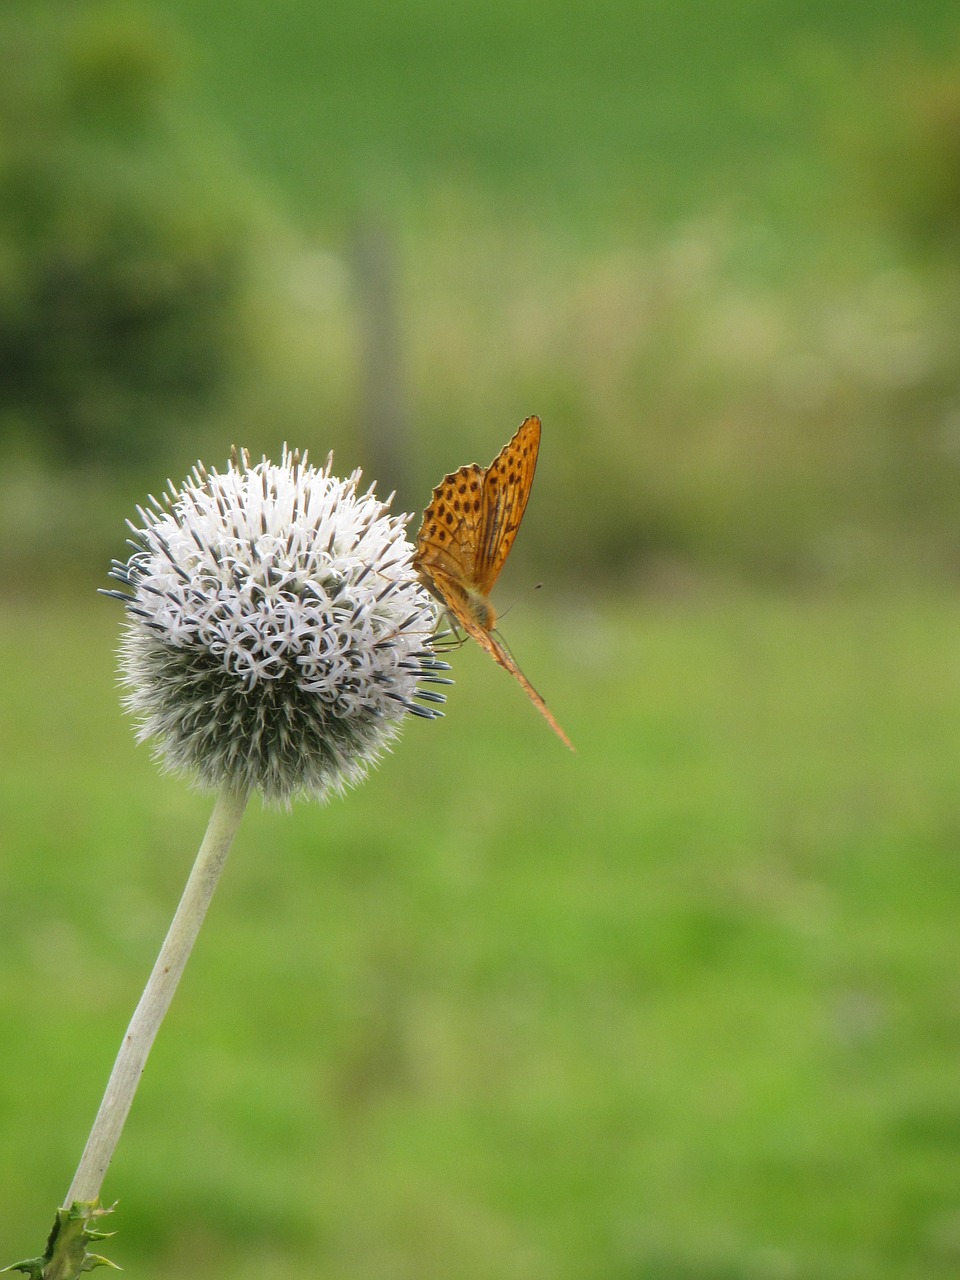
<point x="466" y="535"/>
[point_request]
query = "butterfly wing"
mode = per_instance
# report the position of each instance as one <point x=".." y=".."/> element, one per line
<point x="506" y="487"/>
<point x="460" y="604"/>
<point x="502" y="655"/>
<point x="473" y="517"/>
<point x="448" y="538"/>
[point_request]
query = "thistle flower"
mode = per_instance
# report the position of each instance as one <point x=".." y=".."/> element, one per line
<point x="278" y="635"/>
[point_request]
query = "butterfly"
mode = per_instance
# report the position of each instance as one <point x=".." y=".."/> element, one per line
<point x="466" y="535"/>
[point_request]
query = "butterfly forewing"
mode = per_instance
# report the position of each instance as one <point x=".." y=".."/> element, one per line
<point x="506" y="488"/>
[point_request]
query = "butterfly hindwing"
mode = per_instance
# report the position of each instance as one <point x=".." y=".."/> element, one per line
<point x="461" y="607"/>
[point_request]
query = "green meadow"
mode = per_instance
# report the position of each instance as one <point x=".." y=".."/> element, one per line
<point x="684" y="1005"/>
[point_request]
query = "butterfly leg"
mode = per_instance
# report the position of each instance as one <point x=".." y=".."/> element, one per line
<point x="451" y="637"/>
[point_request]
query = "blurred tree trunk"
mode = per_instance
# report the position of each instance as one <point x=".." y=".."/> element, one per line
<point x="384" y="419"/>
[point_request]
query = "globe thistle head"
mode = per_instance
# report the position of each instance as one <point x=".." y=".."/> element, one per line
<point x="277" y="635"/>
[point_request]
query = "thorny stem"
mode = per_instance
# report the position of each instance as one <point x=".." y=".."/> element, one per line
<point x="162" y="983"/>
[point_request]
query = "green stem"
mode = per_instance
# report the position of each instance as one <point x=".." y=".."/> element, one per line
<point x="162" y="983"/>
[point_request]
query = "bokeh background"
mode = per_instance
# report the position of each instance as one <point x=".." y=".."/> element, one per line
<point x="685" y="1006"/>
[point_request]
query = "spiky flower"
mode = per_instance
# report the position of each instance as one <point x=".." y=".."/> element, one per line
<point x="277" y="633"/>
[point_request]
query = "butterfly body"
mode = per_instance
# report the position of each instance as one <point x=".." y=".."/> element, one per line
<point x="471" y="609"/>
<point x="466" y="535"/>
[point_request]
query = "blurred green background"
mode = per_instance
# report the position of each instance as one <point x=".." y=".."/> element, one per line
<point x="685" y="1006"/>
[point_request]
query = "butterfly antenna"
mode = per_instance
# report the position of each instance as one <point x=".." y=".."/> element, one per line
<point x="503" y="612"/>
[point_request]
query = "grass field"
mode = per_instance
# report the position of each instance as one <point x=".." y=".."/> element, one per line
<point x="623" y="116"/>
<point x="681" y="1006"/>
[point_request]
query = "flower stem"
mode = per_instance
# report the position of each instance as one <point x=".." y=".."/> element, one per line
<point x="162" y="983"/>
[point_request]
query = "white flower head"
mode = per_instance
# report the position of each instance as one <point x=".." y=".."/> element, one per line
<point x="277" y="635"/>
